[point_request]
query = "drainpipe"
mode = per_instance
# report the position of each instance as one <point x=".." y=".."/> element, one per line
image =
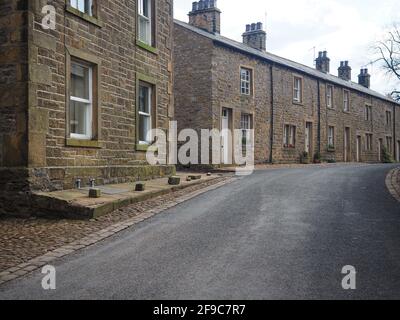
<point x="394" y="134"/>
<point x="272" y="115"/>
<point x="319" y="118"/>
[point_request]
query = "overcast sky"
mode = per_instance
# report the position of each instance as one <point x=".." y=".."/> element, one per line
<point x="347" y="29"/>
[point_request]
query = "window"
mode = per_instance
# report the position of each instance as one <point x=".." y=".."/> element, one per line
<point x="388" y="118"/>
<point x="368" y="113"/>
<point x="245" y="125"/>
<point x="145" y="112"/>
<point x="145" y="23"/>
<point x="368" y="142"/>
<point x="329" y="96"/>
<point x="389" y="144"/>
<point x="85" y="6"/>
<point x="245" y="81"/>
<point x="289" y="136"/>
<point x="298" y="89"/>
<point x="81" y="101"/>
<point x="331" y="137"/>
<point x="346" y="101"/>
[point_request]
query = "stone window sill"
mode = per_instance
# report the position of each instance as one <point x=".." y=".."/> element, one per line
<point x="84" y="16"/>
<point x="77" y="143"/>
<point x="146" y="147"/>
<point x="297" y="103"/>
<point x="147" y="47"/>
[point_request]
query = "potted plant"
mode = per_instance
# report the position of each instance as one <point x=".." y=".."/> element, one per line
<point x="386" y="156"/>
<point x="331" y="147"/>
<point x="317" y="158"/>
<point x="304" y="158"/>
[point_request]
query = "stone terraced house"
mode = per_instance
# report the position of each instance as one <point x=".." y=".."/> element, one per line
<point x="223" y="84"/>
<point x="77" y="100"/>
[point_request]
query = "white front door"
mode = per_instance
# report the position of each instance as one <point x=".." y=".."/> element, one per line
<point x="308" y="138"/>
<point x="225" y="136"/>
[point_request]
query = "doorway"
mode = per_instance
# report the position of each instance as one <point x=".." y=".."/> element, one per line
<point x="347" y="144"/>
<point x="358" y="148"/>
<point x="226" y="155"/>
<point x="398" y="151"/>
<point x="308" y="138"/>
<point x="380" y="144"/>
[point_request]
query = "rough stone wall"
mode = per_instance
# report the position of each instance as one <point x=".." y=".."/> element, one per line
<point x="192" y="80"/>
<point x="226" y="94"/>
<point x="13" y="83"/>
<point x="286" y="112"/>
<point x="114" y="44"/>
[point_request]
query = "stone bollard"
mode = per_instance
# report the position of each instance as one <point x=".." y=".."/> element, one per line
<point x="94" y="193"/>
<point x="195" y="177"/>
<point x="140" y="187"/>
<point x="174" y="181"/>
<point x="209" y="174"/>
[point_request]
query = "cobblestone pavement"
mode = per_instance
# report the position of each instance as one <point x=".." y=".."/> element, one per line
<point x="393" y="183"/>
<point x="22" y="240"/>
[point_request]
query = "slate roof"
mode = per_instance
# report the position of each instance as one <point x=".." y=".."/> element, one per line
<point x="284" y="62"/>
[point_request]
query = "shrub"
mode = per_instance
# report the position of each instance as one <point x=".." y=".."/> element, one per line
<point x="386" y="156"/>
<point x="317" y="157"/>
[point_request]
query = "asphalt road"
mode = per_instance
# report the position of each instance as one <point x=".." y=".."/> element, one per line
<point x="278" y="234"/>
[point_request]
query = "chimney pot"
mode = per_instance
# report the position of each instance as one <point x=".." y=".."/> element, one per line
<point x="255" y="36"/>
<point x="205" y="15"/>
<point x="323" y="62"/>
<point x="344" y="71"/>
<point x="364" y="78"/>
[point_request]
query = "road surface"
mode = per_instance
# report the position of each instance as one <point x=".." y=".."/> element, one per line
<point x="277" y="234"/>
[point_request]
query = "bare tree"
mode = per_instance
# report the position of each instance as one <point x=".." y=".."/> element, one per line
<point x="389" y="52"/>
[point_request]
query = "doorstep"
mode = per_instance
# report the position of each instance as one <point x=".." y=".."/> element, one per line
<point x="76" y="204"/>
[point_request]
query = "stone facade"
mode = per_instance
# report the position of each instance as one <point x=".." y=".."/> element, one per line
<point x="207" y="80"/>
<point x="35" y="66"/>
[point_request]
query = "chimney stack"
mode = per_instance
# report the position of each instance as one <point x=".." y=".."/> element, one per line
<point x="323" y="62"/>
<point x="205" y="15"/>
<point x="364" y="78"/>
<point x="344" y="71"/>
<point x="255" y="36"/>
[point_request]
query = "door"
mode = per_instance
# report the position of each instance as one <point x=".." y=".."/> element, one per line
<point x="346" y="144"/>
<point x="358" y="149"/>
<point x="225" y="136"/>
<point x="380" y="144"/>
<point x="308" y="137"/>
<point x="398" y="151"/>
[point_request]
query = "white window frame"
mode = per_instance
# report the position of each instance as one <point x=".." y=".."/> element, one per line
<point x="368" y="113"/>
<point x="245" y="81"/>
<point x="388" y="118"/>
<point x="297" y="89"/>
<point x="346" y="100"/>
<point x="331" y="136"/>
<point x="289" y="136"/>
<point x="389" y="144"/>
<point x="368" y="141"/>
<point x="245" y="125"/>
<point x="89" y="104"/>
<point x="77" y="4"/>
<point x="148" y="21"/>
<point x="145" y="114"/>
<point x="329" y="96"/>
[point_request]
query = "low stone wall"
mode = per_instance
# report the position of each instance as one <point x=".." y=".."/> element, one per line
<point x="17" y="184"/>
